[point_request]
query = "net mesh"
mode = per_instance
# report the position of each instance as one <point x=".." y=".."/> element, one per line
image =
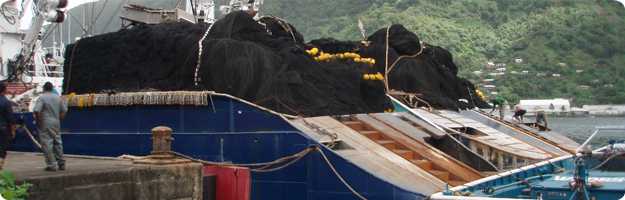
<point x="265" y="63"/>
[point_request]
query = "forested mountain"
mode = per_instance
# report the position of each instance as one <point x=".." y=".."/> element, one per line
<point x="567" y="48"/>
<point x="582" y="41"/>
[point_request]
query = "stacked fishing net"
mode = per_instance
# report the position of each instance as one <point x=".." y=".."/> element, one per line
<point x="413" y="67"/>
<point x="264" y="63"/>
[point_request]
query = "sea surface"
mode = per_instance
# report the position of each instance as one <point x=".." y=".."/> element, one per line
<point x="580" y="128"/>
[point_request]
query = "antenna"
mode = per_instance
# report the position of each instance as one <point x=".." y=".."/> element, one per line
<point x="361" y="26"/>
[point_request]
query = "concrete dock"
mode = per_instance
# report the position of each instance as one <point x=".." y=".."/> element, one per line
<point x="98" y="178"/>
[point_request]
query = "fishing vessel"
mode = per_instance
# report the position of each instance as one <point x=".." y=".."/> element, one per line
<point x="409" y="152"/>
<point x="401" y="155"/>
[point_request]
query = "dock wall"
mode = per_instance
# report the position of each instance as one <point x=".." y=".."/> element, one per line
<point x="136" y="182"/>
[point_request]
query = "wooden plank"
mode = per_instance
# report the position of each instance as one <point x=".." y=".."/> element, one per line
<point x="380" y="161"/>
<point x="514" y="151"/>
<point x="314" y="135"/>
<point x="401" y="125"/>
<point x="431" y="130"/>
<point x="562" y="141"/>
<point x="520" y="132"/>
<point x="499" y="140"/>
<point x="424" y="150"/>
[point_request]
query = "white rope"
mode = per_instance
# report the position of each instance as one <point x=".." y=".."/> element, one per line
<point x="339" y="175"/>
<point x="199" y="55"/>
<point x="608" y="159"/>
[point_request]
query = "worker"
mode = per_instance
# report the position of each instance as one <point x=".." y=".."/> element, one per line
<point x="49" y="111"/>
<point x="7" y="124"/>
<point x="541" y="119"/>
<point x="498" y="102"/>
<point x="519" y="113"/>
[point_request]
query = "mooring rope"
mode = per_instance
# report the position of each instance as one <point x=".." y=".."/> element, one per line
<point x="291" y="159"/>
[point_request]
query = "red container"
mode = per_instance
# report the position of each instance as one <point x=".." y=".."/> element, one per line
<point x="233" y="183"/>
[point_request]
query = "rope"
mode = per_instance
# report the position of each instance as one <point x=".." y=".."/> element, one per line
<point x="409" y="97"/>
<point x="263" y="167"/>
<point x="199" y="55"/>
<point x="608" y="159"/>
<point x="30" y="135"/>
<point x="295" y="157"/>
<point x="388" y="69"/>
<point x="284" y="24"/>
<point x="338" y="175"/>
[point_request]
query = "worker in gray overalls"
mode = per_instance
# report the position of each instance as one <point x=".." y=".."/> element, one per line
<point x="49" y="111"/>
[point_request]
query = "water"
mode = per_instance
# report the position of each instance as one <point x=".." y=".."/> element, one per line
<point x="580" y="128"/>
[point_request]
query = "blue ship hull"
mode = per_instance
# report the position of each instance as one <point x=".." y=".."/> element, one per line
<point x="232" y="131"/>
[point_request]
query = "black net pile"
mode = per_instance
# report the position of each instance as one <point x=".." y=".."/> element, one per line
<point x="431" y="73"/>
<point x="265" y="63"/>
<point x="239" y="57"/>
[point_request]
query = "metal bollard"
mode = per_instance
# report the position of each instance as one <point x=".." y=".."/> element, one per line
<point x="161" y="140"/>
<point x="161" y="149"/>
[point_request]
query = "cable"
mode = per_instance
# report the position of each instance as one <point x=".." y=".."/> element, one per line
<point x="608" y="159"/>
<point x="262" y="164"/>
<point x="92" y="25"/>
<point x="338" y="175"/>
<point x="115" y="13"/>
<point x="78" y="21"/>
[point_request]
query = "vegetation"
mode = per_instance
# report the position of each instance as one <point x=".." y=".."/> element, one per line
<point x="570" y="49"/>
<point x="9" y="190"/>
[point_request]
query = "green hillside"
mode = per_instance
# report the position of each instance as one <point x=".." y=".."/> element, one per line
<point x="582" y="41"/>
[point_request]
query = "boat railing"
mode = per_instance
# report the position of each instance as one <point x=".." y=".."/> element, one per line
<point x="48" y="70"/>
<point x="598" y="129"/>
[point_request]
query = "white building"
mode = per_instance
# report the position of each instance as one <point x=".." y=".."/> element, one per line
<point x="547" y="105"/>
<point x="607" y="110"/>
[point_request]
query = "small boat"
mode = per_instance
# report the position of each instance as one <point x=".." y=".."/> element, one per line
<point x="585" y="175"/>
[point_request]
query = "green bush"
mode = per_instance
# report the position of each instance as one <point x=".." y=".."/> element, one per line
<point x="9" y="190"/>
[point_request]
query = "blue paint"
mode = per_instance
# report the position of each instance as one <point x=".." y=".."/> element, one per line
<point x="550" y="181"/>
<point x="223" y="134"/>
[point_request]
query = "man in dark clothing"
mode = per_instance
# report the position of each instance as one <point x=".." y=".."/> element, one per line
<point x="541" y="119"/>
<point x="519" y="113"/>
<point x="7" y="124"/>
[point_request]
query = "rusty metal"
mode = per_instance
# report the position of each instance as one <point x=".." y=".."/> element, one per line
<point x="161" y="140"/>
<point x="161" y="149"/>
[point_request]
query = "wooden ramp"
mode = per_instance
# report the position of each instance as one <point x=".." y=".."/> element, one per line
<point x="416" y="151"/>
<point x="516" y="132"/>
<point x="431" y="130"/>
<point x="371" y="156"/>
<point x="506" y="151"/>
<point x="562" y="141"/>
<point x="552" y="137"/>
